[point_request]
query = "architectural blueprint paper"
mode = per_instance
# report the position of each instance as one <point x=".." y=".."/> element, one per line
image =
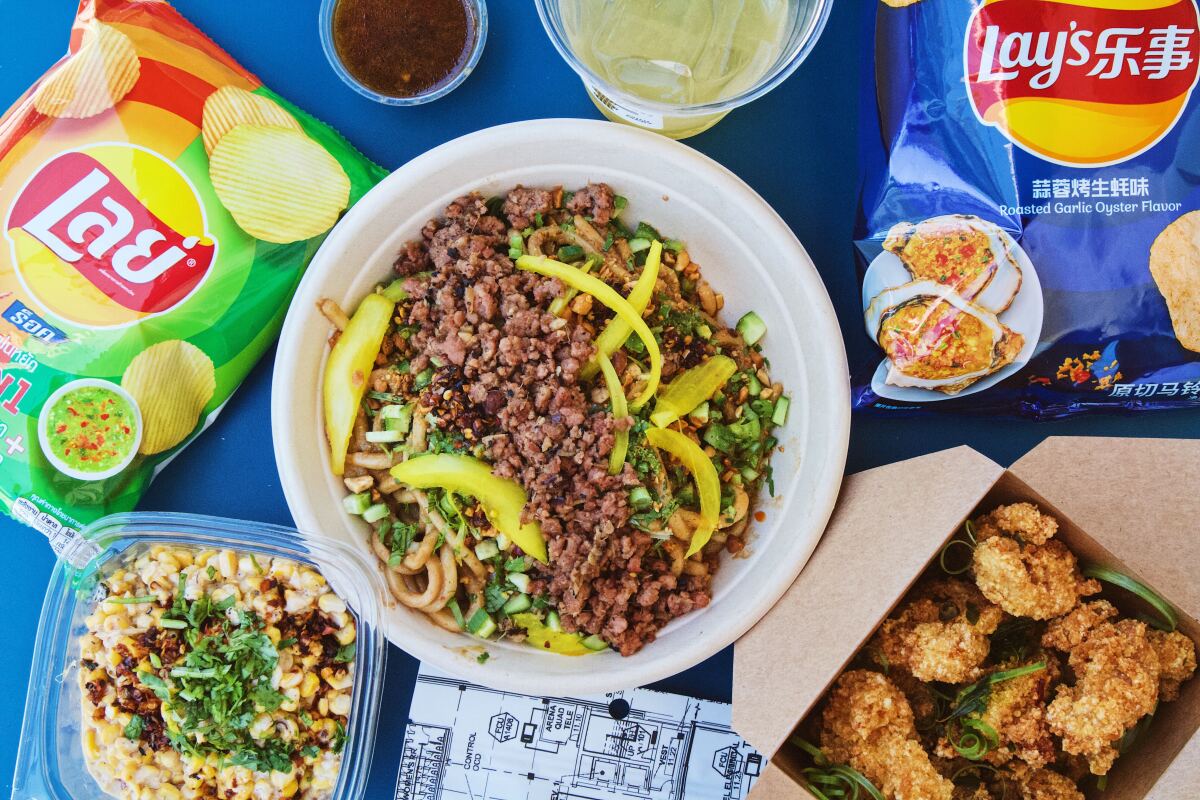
<point x="468" y="742"/>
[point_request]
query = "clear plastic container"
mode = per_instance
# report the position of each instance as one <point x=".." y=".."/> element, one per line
<point x="477" y="9"/>
<point x="50" y="762"/>
<point x="800" y="23"/>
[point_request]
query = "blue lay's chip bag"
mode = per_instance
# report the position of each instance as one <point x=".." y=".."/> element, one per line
<point x="1028" y="238"/>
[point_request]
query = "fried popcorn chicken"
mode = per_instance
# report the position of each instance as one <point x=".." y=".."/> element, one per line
<point x="1016" y="710"/>
<point x="1043" y="784"/>
<point x="942" y="634"/>
<point x="1176" y="661"/>
<point x="1116" y="684"/>
<point x="920" y="698"/>
<point x="1020" y="566"/>
<point x="1068" y="632"/>
<point x="868" y="724"/>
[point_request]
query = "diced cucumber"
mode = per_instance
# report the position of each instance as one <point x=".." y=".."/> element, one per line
<point x="479" y="622"/>
<point x="619" y="205"/>
<point x="594" y="642"/>
<point x="674" y="245"/>
<point x="502" y="541"/>
<point x="396" y="418"/>
<point x="517" y="603"/>
<point x="385" y="437"/>
<point x="395" y="291"/>
<point x="700" y="413"/>
<point x="640" y="499"/>
<point x="753" y="384"/>
<point x="356" y="503"/>
<point x="424" y="378"/>
<point x="704" y="331"/>
<point x="638" y="245"/>
<point x="487" y="549"/>
<point x="749" y="474"/>
<point x="751" y="327"/>
<point x="781" y="410"/>
<point x="570" y="252"/>
<point x="375" y="513"/>
<point x="645" y="231"/>
<point x="553" y="622"/>
<point x="519" y="580"/>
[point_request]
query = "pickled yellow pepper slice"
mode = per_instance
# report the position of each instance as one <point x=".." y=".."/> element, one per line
<point x="620" y="410"/>
<point x="544" y="638"/>
<point x="681" y="396"/>
<point x="708" y="485"/>
<point x="617" y="331"/>
<point x="502" y="500"/>
<point x="350" y="363"/>
<point x="609" y="297"/>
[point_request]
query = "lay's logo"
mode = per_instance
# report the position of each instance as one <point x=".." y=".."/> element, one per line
<point x="109" y="234"/>
<point x="1083" y="82"/>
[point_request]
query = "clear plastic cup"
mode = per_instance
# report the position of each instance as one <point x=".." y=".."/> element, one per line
<point x="805" y="21"/>
<point x="50" y="762"/>
<point x="477" y="10"/>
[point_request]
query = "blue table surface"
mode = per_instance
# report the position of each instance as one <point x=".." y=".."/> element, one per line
<point x="795" y="147"/>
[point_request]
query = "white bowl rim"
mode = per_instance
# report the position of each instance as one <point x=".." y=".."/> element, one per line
<point x="829" y="362"/>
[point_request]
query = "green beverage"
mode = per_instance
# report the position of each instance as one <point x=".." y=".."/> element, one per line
<point x="682" y="53"/>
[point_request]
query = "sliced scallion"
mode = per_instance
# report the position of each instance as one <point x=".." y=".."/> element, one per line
<point x="1169" y="620"/>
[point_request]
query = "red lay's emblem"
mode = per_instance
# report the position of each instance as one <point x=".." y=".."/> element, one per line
<point x="1083" y="82"/>
<point x="109" y="234"/>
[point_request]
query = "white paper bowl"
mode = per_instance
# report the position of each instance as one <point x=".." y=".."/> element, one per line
<point x="746" y="251"/>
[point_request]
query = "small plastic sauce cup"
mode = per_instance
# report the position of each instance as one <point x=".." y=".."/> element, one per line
<point x="478" y="24"/>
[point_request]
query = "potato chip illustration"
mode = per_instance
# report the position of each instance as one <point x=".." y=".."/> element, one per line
<point x="1175" y="265"/>
<point x="279" y="185"/>
<point x="94" y="78"/>
<point x="172" y="382"/>
<point x="229" y="106"/>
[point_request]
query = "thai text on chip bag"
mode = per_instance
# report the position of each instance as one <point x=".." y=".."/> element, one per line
<point x="160" y="205"/>
<point x="1029" y="240"/>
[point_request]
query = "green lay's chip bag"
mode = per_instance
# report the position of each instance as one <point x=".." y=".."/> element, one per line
<point x="160" y="206"/>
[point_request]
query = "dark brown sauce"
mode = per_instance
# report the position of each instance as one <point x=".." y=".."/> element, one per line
<point x="402" y="48"/>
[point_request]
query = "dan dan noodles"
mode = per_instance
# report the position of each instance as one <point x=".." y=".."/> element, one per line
<point x="546" y="426"/>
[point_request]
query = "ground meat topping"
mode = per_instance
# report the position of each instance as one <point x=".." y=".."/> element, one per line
<point x="596" y="200"/>
<point x="508" y="376"/>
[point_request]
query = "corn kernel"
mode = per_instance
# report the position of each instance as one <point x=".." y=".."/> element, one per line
<point x="308" y="686"/>
<point x="291" y="679"/>
<point x="345" y="635"/>
<point x="273" y="634"/>
<point x="330" y="603"/>
<point x="339" y="704"/>
<point x="227" y="564"/>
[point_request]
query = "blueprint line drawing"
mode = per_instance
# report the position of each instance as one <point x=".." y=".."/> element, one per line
<point x="468" y="742"/>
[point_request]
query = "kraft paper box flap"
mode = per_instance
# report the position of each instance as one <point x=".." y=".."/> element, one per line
<point x="1137" y="497"/>
<point x="839" y="598"/>
<point x="1139" y="500"/>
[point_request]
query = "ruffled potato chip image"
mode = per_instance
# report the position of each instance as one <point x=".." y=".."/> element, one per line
<point x="172" y="382"/>
<point x="1175" y="265"/>
<point x="279" y="185"/>
<point x="93" y="79"/>
<point x="229" y="106"/>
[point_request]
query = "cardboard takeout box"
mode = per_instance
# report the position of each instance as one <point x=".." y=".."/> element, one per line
<point x="1130" y="504"/>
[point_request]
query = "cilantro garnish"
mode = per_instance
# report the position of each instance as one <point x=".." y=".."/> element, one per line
<point x="220" y="684"/>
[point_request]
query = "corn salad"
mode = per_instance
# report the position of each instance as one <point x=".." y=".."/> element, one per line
<point x="216" y="674"/>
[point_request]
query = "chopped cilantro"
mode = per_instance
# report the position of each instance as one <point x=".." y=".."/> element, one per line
<point x="518" y="564"/>
<point x="483" y="657"/>
<point x="221" y="683"/>
<point x="134" y="729"/>
<point x="345" y="654"/>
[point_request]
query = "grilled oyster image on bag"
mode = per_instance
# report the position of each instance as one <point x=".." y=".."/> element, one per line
<point x="951" y="300"/>
<point x="934" y="339"/>
<point x="963" y="252"/>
